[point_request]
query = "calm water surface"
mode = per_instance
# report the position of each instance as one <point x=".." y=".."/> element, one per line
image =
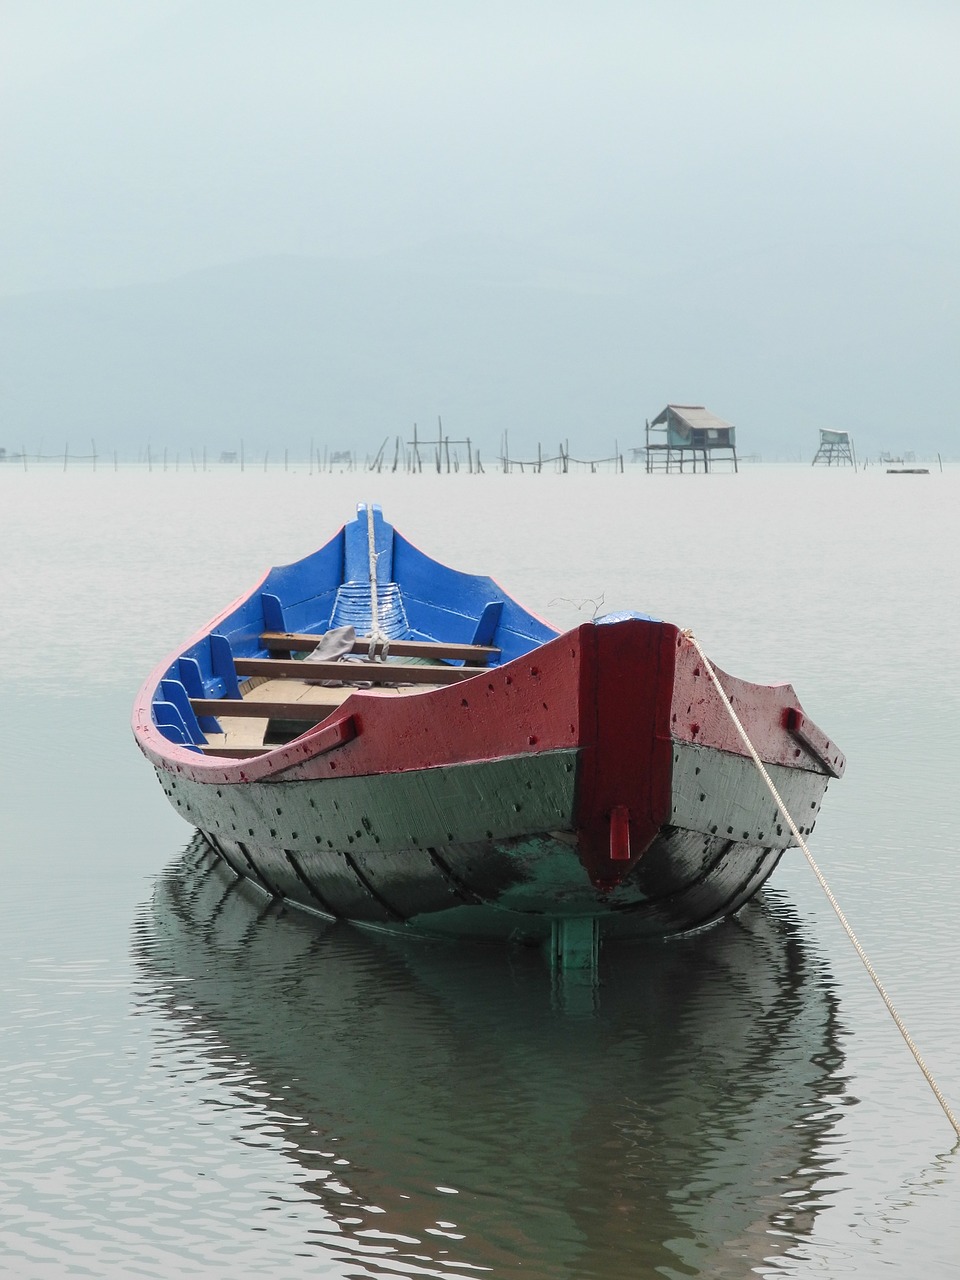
<point x="195" y="1084"/>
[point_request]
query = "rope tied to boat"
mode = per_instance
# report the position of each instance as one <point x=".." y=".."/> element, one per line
<point x="901" y="1027"/>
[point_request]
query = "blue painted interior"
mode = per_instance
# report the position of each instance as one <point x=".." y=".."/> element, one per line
<point x="426" y="601"/>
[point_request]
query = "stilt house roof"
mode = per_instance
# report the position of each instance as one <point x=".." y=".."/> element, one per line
<point x="693" y="417"/>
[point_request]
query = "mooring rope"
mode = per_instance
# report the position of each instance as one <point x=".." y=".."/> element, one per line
<point x="823" y="884"/>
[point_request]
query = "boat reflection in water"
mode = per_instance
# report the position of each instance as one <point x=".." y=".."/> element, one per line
<point x="675" y="1117"/>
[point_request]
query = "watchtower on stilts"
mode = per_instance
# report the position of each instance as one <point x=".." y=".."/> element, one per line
<point x="836" y="450"/>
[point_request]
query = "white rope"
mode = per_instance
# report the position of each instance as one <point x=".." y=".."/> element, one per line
<point x="823" y="884"/>
<point x="374" y="602"/>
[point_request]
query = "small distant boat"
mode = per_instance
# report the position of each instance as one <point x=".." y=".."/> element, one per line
<point x="370" y="735"/>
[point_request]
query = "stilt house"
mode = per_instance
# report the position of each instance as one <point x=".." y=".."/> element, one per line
<point x="688" y="435"/>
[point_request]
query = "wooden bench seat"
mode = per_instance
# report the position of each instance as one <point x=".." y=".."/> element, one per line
<point x="271" y="712"/>
<point x="282" y="698"/>
<point x="354" y="672"/>
<point x="303" y="642"/>
<point x="309" y="711"/>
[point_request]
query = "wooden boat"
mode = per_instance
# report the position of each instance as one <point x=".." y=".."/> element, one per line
<point x="466" y="769"/>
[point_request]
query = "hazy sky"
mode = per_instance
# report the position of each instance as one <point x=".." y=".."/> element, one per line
<point x="143" y="138"/>
<point x="752" y="204"/>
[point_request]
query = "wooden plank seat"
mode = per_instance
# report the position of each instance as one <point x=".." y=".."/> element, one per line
<point x="269" y="713"/>
<point x="303" y="642"/>
<point x="281" y="698"/>
<point x="309" y="711"/>
<point x="354" y="672"/>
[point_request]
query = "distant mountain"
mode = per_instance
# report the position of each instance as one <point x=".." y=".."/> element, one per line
<point x="546" y="343"/>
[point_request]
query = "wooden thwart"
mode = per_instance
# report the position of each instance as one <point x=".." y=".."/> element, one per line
<point x="312" y="711"/>
<point x="354" y="672"/>
<point x="301" y="642"/>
